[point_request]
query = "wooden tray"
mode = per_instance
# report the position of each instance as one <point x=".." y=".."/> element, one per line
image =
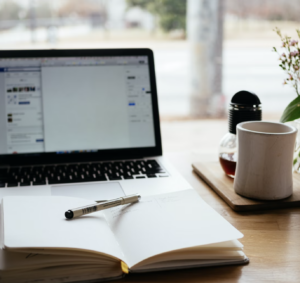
<point x="214" y="176"/>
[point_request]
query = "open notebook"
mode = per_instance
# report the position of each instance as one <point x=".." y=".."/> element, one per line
<point x="167" y="231"/>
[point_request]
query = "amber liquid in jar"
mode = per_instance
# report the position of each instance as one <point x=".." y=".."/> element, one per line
<point x="228" y="163"/>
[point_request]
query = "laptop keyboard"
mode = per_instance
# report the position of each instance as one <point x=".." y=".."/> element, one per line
<point x="82" y="172"/>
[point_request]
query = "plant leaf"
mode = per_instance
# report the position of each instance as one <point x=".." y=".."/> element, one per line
<point x="292" y="111"/>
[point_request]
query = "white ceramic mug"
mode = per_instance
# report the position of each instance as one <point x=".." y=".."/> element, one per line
<point x="265" y="160"/>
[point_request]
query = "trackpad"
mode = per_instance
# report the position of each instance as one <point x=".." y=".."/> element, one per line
<point x="89" y="191"/>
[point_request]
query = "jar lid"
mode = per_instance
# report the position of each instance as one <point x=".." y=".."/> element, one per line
<point x="245" y="106"/>
<point x="244" y="97"/>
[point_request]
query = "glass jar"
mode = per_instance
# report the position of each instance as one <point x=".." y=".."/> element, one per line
<point x="245" y="106"/>
<point x="228" y="154"/>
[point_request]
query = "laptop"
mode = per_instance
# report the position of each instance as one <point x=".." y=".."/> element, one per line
<point x="81" y="123"/>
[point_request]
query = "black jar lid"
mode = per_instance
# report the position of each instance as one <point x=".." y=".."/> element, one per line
<point x="246" y="98"/>
<point x="244" y="106"/>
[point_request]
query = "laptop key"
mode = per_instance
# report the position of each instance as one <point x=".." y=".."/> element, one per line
<point x="114" y="178"/>
<point x="154" y="170"/>
<point x="109" y="165"/>
<point x="82" y="169"/>
<point x="25" y="183"/>
<point x="97" y="165"/>
<point x="13" y="179"/>
<point x="94" y="169"/>
<point x="153" y="163"/>
<point x="37" y="170"/>
<point x="151" y="176"/>
<point x="39" y="182"/>
<point x="120" y="164"/>
<point x="24" y="173"/>
<point x="73" y="168"/>
<point x="95" y="178"/>
<point x="48" y="172"/>
<point x="12" y="184"/>
<point x="76" y="178"/>
<point x="25" y="178"/>
<point x="14" y="171"/>
<point x="3" y="172"/>
<point x="99" y="173"/>
<point x="116" y="168"/>
<point x="140" y="177"/>
<point x="54" y="180"/>
<point x="100" y="179"/>
<point x="128" y="177"/>
<point x="71" y="178"/>
<point x="60" y="169"/>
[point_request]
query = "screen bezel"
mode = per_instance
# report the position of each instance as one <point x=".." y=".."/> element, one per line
<point x="100" y="155"/>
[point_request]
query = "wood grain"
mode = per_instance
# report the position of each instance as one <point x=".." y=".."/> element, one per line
<point x="213" y="175"/>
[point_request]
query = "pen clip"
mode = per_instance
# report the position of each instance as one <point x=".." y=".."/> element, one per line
<point x="99" y="201"/>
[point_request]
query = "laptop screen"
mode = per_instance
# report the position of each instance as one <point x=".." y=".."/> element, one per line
<point x="66" y="105"/>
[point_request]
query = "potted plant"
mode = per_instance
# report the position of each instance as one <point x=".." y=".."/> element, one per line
<point x="290" y="63"/>
<point x="289" y="57"/>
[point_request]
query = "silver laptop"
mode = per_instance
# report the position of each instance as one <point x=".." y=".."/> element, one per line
<point x="82" y="123"/>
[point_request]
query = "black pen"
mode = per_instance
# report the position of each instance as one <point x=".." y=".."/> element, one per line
<point x="76" y="212"/>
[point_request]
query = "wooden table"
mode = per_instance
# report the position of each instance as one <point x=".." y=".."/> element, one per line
<point x="271" y="238"/>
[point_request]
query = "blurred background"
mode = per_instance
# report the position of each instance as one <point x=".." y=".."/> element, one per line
<point x="205" y="50"/>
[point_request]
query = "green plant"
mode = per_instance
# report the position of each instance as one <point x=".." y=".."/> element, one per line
<point x="171" y="13"/>
<point x="290" y="63"/>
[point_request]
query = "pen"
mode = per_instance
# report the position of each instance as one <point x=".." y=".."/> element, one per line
<point x="76" y="212"/>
